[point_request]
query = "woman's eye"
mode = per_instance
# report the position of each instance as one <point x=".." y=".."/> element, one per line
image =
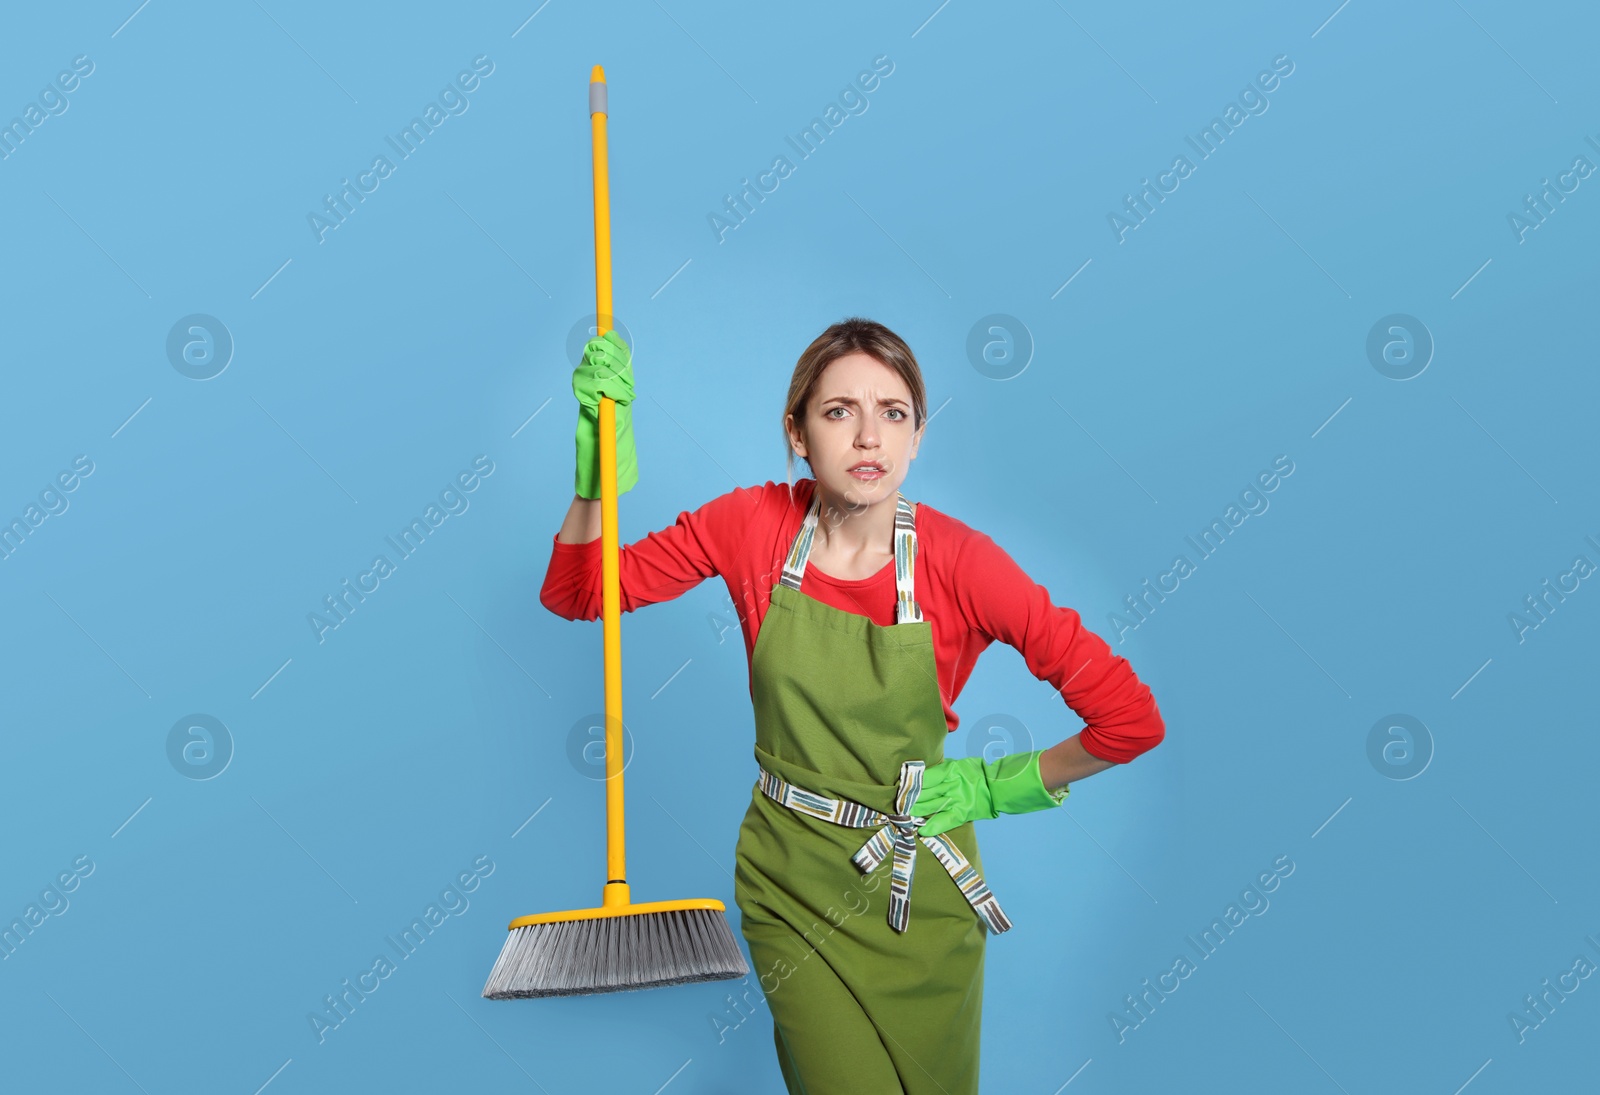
<point x="830" y="410"/>
<point x="899" y="412"/>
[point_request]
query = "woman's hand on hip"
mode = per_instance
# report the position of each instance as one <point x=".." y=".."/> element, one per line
<point x="955" y="792"/>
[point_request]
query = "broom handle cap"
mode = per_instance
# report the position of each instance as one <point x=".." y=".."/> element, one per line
<point x="597" y="91"/>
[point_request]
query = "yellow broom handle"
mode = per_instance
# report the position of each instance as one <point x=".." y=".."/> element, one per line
<point x="616" y="888"/>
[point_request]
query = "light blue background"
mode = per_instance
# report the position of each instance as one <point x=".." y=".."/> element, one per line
<point x="370" y="769"/>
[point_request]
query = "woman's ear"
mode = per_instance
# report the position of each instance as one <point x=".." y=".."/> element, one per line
<point x="796" y="441"/>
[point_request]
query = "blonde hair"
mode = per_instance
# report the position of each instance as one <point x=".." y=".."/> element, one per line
<point x="852" y="335"/>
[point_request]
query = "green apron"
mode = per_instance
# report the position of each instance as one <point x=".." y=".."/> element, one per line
<point x="871" y="992"/>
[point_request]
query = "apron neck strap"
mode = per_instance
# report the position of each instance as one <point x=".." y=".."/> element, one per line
<point x="906" y="610"/>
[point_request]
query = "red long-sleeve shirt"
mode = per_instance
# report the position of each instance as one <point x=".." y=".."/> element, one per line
<point x="969" y="588"/>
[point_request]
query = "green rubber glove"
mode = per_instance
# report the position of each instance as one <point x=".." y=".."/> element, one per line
<point x="606" y="369"/>
<point x="965" y="789"/>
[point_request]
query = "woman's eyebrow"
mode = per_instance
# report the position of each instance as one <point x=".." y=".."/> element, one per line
<point x="854" y="403"/>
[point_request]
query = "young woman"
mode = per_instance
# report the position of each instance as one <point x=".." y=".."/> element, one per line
<point x="863" y="614"/>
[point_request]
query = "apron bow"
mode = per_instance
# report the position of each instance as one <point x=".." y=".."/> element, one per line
<point x="897" y="836"/>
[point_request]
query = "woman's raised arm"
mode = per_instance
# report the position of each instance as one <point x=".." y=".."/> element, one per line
<point x="661" y="566"/>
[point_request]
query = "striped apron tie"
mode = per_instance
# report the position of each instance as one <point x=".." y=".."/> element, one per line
<point x="897" y="835"/>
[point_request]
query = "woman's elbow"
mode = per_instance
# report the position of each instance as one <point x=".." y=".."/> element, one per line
<point x="565" y="606"/>
<point x="1155" y="733"/>
<point x="1158" y="731"/>
<point x="1134" y="741"/>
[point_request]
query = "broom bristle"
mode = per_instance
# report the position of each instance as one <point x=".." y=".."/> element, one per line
<point x="615" y="954"/>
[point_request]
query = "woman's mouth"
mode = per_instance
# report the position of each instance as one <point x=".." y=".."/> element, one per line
<point x="868" y="472"/>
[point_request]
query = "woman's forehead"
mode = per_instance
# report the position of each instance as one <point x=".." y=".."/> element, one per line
<point x="861" y="375"/>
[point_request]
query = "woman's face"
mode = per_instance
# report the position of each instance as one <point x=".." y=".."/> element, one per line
<point x="859" y="412"/>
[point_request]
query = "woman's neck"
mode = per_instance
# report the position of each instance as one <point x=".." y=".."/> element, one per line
<point x="849" y="529"/>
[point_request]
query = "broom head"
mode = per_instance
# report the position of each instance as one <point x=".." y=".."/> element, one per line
<point x="616" y="948"/>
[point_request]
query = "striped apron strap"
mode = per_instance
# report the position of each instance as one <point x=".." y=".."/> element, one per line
<point x="906" y="609"/>
<point x="897" y="836"/>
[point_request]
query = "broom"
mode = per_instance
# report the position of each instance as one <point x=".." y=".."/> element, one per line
<point x="620" y="945"/>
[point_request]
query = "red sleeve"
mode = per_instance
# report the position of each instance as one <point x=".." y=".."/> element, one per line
<point x="660" y="567"/>
<point x="1120" y="716"/>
